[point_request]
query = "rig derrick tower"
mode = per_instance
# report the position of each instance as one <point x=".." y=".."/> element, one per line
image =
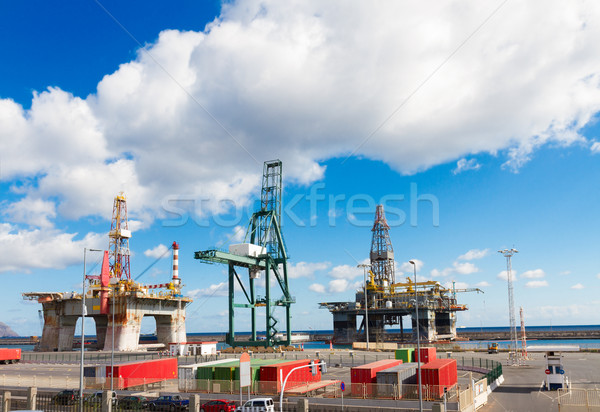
<point x="263" y="250"/>
<point x="119" y="235"/>
<point x="382" y="252"/>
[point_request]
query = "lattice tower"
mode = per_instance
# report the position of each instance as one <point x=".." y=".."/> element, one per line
<point x="508" y="253"/>
<point x="382" y="253"/>
<point x="119" y="235"/>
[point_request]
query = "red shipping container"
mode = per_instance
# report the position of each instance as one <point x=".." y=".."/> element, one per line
<point x="367" y="374"/>
<point x="143" y="372"/>
<point x="440" y="374"/>
<point x="10" y="355"/>
<point x="428" y="354"/>
<point x="271" y="373"/>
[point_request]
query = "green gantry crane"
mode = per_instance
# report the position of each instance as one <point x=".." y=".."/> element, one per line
<point x="263" y="250"/>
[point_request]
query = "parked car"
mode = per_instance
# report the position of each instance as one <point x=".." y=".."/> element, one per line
<point x="169" y="403"/>
<point x="95" y="399"/>
<point x="66" y="397"/>
<point x="218" y="405"/>
<point x="132" y="403"/>
<point x="257" y="405"/>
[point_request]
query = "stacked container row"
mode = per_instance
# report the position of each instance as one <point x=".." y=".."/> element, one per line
<point x="367" y="374"/>
<point x="277" y="373"/>
<point x="440" y="374"/>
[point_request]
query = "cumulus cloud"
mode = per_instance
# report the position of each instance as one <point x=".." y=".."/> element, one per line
<point x="595" y="148"/>
<point x="407" y="267"/>
<point x="147" y="125"/>
<point x="474" y="254"/>
<point x="463" y="165"/>
<point x="503" y="275"/>
<point x="482" y="284"/>
<point x="536" y="284"/>
<point x="342" y="285"/>
<point x="458" y="268"/>
<point x="578" y="286"/>
<point x="21" y="250"/>
<point x="220" y="289"/>
<point x="159" y="251"/>
<point x="533" y="274"/>
<point x="345" y="272"/>
<point x="306" y="269"/>
<point x="317" y="288"/>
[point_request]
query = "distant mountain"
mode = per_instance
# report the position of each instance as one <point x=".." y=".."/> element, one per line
<point x="5" y="330"/>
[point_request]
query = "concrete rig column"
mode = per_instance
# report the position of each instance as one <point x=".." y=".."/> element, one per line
<point x="126" y="328"/>
<point x="101" y="325"/>
<point x="426" y="325"/>
<point x="59" y="328"/>
<point x="170" y="328"/>
<point x="344" y="327"/>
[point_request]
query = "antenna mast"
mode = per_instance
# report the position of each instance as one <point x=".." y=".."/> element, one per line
<point x="513" y="356"/>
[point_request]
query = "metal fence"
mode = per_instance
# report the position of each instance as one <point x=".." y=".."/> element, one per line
<point x="490" y="368"/>
<point x="574" y="400"/>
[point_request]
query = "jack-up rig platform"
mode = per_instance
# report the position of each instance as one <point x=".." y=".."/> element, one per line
<point x="387" y="302"/>
<point x="115" y="301"/>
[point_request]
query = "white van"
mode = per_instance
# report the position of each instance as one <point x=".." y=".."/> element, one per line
<point x="257" y="405"/>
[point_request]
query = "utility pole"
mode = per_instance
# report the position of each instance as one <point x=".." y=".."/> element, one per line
<point x="412" y="262"/>
<point x="508" y="253"/>
<point x="365" y="266"/>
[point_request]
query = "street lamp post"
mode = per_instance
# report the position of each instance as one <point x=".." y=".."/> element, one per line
<point x="365" y="266"/>
<point x="112" y="352"/>
<point x="412" y="262"/>
<point x="83" y="313"/>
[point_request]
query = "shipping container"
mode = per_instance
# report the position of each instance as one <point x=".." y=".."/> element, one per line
<point x="231" y="372"/>
<point x="428" y="354"/>
<point x="390" y="381"/>
<point x="10" y="355"/>
<point x="207" y="371"/>
<point x="272" y="376"/>
<point x="439" y="374"/>
<point x="405" y="354"/>
<point x="367" y="374"/>
<point x="143" y="372"/>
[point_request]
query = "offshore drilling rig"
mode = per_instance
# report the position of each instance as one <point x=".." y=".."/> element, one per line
<point x="385" y="302"/>
<point x="115" y="301"/>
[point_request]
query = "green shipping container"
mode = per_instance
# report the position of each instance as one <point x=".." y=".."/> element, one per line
<point x="405" y="354"/>
<point x="208" y="372"/>
<point x="231" y="372"/>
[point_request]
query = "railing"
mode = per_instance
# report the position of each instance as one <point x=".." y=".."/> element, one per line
<point x="570" y="400"/>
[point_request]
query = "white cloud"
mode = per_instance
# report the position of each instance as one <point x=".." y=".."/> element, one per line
<point x="306" y="269"/>
<point x="157" y="252"/>
<point x="220" y="289"/>
<point x="342" y="285"/>
<point x="578" y="286"/>
<point x="143" y="133"/>
<point x="536" y="284"/>
<point x="595" y="148"/>
<point x="317" y="288"/>
<point x="463" y="165"/>
<point x="407" y="267"/>
<point x="565" y="273"/>
<point x="474" y="254"/>
<point x="457" y="285"/>
<point x="533" y="274"/>
<point x="22" y="249"/>
<point x="345" y="272"/>
<point x="482" y="284"/>
<point x="458" y="268"/>
<point x="503" y="275"/>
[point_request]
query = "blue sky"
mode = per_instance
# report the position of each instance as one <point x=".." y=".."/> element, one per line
<point x="476" y="125"/>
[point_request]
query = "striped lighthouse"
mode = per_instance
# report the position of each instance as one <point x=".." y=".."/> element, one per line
<point x="176" y="280"/>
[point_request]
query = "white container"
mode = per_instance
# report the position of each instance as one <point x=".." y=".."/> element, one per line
<point x="247" y="249"/>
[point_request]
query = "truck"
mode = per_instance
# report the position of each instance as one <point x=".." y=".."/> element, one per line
<point x="493" y="347"/>
<point x="169" y="403"/>
<point x="10" y="355"/>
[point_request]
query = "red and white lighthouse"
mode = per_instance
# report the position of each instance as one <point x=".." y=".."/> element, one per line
<point x="176" y="280"/>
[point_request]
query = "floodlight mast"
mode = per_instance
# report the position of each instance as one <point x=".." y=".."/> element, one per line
<point x="508" y="253"/>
